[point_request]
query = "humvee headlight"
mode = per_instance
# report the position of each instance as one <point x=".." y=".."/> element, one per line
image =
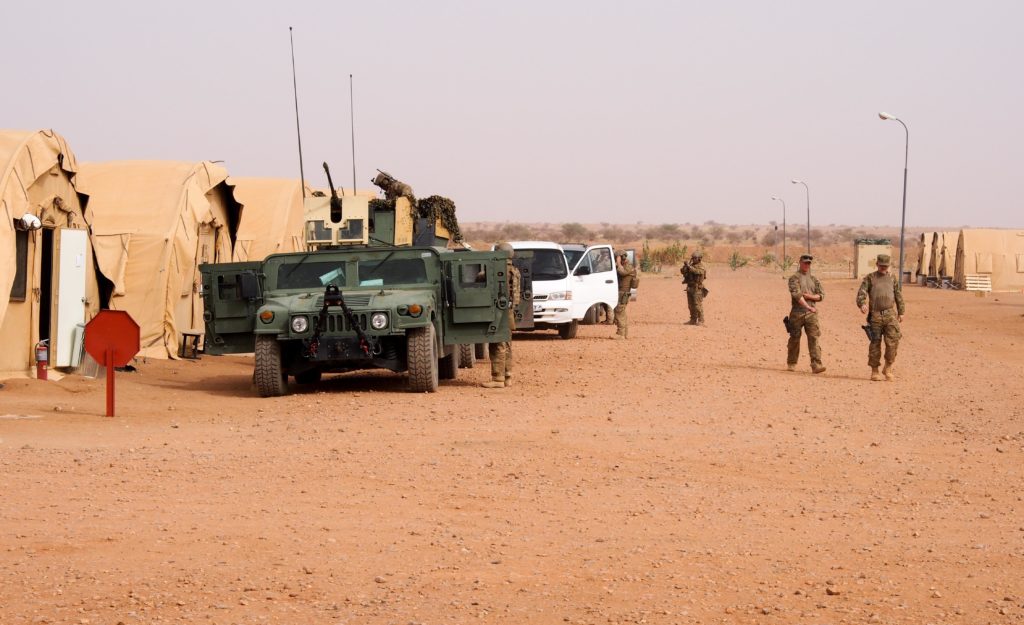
<point x="300" y="324"/>
<point x="415" y="310"/>
<point x="379" y="321"/>
<point x="267" y="316"/>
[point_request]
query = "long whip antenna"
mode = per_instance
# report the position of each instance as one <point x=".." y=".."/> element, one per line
<point x="298" y="132"/>
<point x="352" y="121"/>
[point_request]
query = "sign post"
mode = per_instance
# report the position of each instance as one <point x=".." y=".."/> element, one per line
<point x="112" y="338"/>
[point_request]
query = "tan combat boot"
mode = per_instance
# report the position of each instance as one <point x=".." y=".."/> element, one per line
<point x="817" y="368"/>
<point x="494" y="384"/>
<point x="790" y="367"/>
<point x="888" y="373"/>
<point x="875" y="375"/>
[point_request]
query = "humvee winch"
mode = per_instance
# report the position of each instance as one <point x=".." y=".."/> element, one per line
<point x="378" y="289"/>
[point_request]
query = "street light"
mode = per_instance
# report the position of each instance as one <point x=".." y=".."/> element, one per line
<point x="782" y="261"/>
<point x="795" y="181"/>
<point x="906" y="156"/>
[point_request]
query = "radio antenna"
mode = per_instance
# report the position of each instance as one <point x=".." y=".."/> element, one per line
<point x="298" y="132"/>
<point x="352" y="121"/>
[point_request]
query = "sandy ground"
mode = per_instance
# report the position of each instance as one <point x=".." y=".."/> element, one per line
<point x="682" y="476"/>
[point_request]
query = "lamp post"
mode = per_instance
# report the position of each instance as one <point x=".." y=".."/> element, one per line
<point x="906" y="156"/>
<point x="782" y="261"/>
<point x="795" y="181"/>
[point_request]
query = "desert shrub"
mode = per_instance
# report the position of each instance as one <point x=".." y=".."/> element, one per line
<point x="767" y="259"/>
<point x="574" y="232"/>
<point x="737" y="260"/>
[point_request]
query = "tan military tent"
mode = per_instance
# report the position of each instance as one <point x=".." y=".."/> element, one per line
<point x="945" y="245"/>
<point x="47" y="278"/>
<point x="271" y="217"/>
<point x="153" y="223"/>
<point x="998" y="254"/>
<point x="924" y="257"/>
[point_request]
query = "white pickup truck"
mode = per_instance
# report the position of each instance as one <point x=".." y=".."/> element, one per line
<point x="565" y="297"/>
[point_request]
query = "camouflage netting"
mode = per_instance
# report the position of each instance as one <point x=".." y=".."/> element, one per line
<point x="377" y="204"/>
<point x="437" y="207"/>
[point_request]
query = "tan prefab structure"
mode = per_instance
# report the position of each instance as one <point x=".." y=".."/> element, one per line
<point x="997" y="254"/>
<point x="153" y="223"/>
<point x="945" y="255"/>
<point x="48" y="287"/>
<point x="864" y="256"/>
<point x="924" y="256"/>
<point x="271" y="218"/>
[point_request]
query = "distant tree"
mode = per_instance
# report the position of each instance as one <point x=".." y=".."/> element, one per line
<point x="516" y="232"/>
<point x="575" y="232"/>
<point x="771" y="238"/>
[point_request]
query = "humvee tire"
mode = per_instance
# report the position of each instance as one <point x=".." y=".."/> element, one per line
<point x="467" y="356"/>
<point x="448" y="366"/>
<point x="481" y="351"/>
<point x="592" y="315"/>
<point x="271" y="379"/>
<point x="422" y="360"/>
<point x="310" y="376"/>
<point x="568" y="330"/>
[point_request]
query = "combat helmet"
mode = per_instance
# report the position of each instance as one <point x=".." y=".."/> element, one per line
<point x="505" y="246"/>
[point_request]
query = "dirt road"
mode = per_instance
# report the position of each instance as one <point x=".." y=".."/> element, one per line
<point x="683" y="476"/>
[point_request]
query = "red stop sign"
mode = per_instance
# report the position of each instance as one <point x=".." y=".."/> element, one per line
<point x="113" y="332"/>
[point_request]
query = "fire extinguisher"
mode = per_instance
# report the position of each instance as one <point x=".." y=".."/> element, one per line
<point x="42" y="358"/>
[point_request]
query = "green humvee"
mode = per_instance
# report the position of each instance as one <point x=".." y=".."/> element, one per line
<point x="378" y="288"/>
<point x="414" y="309"/>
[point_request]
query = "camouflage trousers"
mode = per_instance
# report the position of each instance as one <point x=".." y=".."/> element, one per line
<point x="884" y="324"/>
<point x="808" y="323"/>
<point x="501" y="354"/>
<point x="621" y="319"/>
<point x="695" y="302"/>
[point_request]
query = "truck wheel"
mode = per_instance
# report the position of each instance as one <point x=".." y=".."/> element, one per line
<point x="422" y="360"/>
<point x="271" y="378"/>
<point x="568" y="330"/>
<point x="467" y="356"/>
<point x="448" y="366"/>
<point x="481" y="351"/>
<point x="592" y="314"/>
<point x="310" y="376"/>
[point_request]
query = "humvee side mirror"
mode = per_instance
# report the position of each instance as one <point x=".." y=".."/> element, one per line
<point x="249" y="286"/>
<point x="582" y="271"/>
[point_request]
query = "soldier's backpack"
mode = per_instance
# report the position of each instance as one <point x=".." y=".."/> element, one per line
<point x="634" y="282"/>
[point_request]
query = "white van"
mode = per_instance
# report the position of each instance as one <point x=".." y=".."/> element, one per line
<point x="562" y="299"/>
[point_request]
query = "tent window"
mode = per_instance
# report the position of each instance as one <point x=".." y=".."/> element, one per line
<point x="18" y="289"/>
<point x="984" y="262"/>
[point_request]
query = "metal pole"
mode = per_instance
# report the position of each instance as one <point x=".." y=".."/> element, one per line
<point x="808" y="190"/>
<point x="352" y="121"/>
<point x="782" y="261"/>
<point x="295" y="90"/>
<point x="903" y="218"/>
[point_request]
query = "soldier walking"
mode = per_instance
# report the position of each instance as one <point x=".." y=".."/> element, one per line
<point x="694" y="274"/>
<point x="805" y="291"/>
<point x="627" y="273"/>
<point x="880" y="297"/>
<point x="501" y="353"/>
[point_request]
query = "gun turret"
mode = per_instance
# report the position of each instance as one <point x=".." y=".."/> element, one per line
<point x="335" y="200"/>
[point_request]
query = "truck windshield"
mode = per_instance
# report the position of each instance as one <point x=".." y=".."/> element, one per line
<point x="549" y="265"/>
<point x="388" y="271"/>
<point x="573" y="256"/>
<point x="311" y="274"/>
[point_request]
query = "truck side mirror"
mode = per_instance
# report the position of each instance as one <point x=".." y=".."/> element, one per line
<point x="582" y="271"/>
<point x="249" y="286"/>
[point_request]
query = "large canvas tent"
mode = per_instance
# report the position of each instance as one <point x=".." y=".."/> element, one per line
<point x="153" y="223"/>
<point x="998" y="254"/>
<point x="945" y="255"/>
<point x="925" y="257"/>
<point x="48" y="284"/>
<point x="271" y="217"/>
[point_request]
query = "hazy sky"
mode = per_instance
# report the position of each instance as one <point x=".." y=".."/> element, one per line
<point x="589" y="111"/>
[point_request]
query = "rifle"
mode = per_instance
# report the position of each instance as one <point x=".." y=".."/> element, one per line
<point x="335" y="200"/>
<point x="872" y="335"/>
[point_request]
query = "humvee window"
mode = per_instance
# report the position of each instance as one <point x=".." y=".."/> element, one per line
<point x="308" y="275"/>
<point x="473" y="275"/>
<point x="394" y="271"/>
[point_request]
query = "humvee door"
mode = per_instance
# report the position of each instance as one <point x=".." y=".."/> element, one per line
<point x="232" y="293"/>
<point x="476" y="294"/>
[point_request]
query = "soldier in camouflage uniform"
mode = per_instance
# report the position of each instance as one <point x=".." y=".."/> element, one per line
<point x="694" y="275"/>
<point x="626" y="272"/>
<point x="805" y="291"/>
<point x="880" y="297"/>
<point x="501" y="353"/>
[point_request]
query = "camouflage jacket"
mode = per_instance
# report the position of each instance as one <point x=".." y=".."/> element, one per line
<point x="694" y="275"/>
<point x="625" y="273"/>
<point x="515" y="285"/>
<point x="881" y="291"/>
<point x="800" y="283"/>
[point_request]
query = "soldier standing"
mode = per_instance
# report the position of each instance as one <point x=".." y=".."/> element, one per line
<point x="880" y="297"/>
<point x="501" y="353"/>
<point x="694" y="274"/>
<point x="805" y="291"/>
<point x="627" y="273"/>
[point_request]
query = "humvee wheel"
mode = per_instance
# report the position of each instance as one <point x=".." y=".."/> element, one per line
<point x="310" y="376"/>
<point x="593" y="313"/>
<point x="271" y="379"/>
<point x="568" y="330"/>
<point x="481" y="350"/>
<point x="467" y="356"/>
<point x="422" y="360"/>
<point x="448" y="366"/>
